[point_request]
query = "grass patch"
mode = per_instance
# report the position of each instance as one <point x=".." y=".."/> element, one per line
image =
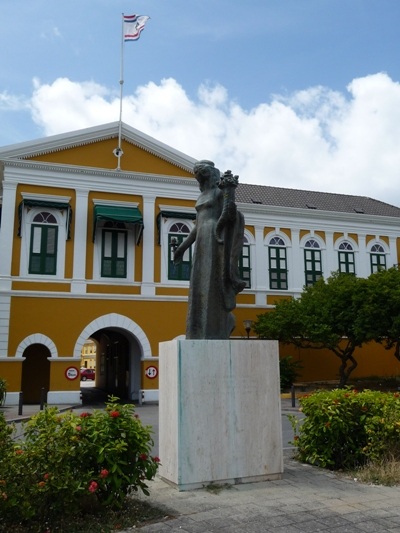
<point x="134" y="513"/>
<point x="384" y="472"/>
<point x="216" y="488"/>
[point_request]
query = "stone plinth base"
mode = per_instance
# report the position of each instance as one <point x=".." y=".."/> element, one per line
<point x="220" y="412"/>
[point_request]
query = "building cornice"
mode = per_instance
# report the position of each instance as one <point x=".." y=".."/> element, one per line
<point x="51" y="174"/>
<point x="117" y="175"/>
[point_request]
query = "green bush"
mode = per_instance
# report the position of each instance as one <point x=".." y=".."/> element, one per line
<point x="344" y="428"/>
<point x="289" y="370"/>
<point x="70" y="460"/>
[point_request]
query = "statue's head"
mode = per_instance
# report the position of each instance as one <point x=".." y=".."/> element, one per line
<point x="205" y="170"/>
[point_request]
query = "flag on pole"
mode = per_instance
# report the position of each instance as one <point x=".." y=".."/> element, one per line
<point x="133" y="26"/>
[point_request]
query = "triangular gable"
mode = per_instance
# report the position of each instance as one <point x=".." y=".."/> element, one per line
<point x="94" y="147"/>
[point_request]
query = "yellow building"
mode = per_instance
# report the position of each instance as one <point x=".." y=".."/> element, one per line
<point x="88" y="354"/>
<point x="85" y="254"/>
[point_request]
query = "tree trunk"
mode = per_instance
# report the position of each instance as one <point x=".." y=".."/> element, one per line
<point x="345" y="370"/>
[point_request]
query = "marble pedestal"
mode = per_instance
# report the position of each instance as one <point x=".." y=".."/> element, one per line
<point x="220" y="412"/>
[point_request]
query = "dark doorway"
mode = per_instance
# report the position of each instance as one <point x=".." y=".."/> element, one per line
<point x="35" y="373"/>
<point x="112" y="366"/>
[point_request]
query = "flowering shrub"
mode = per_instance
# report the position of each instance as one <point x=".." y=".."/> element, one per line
<point x="344" y="428"/>
<point x="67" y="459"/>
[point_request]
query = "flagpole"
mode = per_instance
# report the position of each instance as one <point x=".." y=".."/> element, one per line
<point x="119" y="152"/>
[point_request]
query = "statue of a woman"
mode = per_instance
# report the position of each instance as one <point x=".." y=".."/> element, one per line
<point x="214" y="280"/>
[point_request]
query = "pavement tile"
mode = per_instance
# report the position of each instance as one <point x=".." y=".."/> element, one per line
<point x="335" y="520"/>
<point x="283" y="529"/>
<point x="388" y="523"/>
<point x="345" y="529"/>
<point x="370" y="527"/>
<point x="311" y="526"/>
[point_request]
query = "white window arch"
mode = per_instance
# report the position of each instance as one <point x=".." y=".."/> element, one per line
<point x="312" y="246"/>
<point x="277" y="263"/>
<point x="377" y="254"/>
<point x="346" y="253"/>
<point x="172" y="232"/>
<point x="177" y="233"/>
<point x="43" y="234"/>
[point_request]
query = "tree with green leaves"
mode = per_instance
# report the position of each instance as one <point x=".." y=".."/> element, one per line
<point x="327" y="315"/>
<point x="381" y="313"/>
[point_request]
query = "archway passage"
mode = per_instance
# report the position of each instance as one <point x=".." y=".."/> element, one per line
<point x="35" y="373"/>
<point x="117" y="363"/>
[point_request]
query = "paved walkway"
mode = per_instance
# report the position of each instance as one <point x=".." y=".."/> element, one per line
<point x="305" y="500"/>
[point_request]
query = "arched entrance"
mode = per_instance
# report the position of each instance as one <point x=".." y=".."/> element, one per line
<point x="120" y="347"/>
<point x="35" y="373"/>
<point x="113" y="363"/>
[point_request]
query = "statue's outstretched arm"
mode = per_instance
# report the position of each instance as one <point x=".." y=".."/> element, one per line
<point x="181" y="249"/>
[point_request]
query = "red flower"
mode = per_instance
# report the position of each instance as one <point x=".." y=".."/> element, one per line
<point x="84" y="415"/>
<point x="115" y="414"/>
<point x="93" y="486"/>
<point x="143" y="456"/>
<point x="46" y="476"/>
<point x="19" y="452"/>
<point x="156" y="459"/>
<point x="41" y="484"/>
<point x="78" y="428"/>
<point x="104" y="473"/>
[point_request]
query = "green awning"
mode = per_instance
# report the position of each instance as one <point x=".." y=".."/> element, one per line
<point x="49" y="204"/>
<point x="114" y="213"/>
<point x="172" y="214"/>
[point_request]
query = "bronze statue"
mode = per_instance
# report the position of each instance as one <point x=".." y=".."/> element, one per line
<point x="214" y="280"/>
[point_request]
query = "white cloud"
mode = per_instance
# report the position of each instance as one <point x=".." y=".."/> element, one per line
<point x="9" y="102"/>
<point x="313" y="139"/>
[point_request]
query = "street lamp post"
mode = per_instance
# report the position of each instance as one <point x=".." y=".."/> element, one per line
<point x="248" y="324"/>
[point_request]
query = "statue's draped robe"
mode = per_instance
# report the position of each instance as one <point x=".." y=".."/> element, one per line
<point x="211" y="295"/>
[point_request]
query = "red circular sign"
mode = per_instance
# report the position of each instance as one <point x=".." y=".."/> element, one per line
<point x="151" y="372"/>
<point x="72" y="373"/>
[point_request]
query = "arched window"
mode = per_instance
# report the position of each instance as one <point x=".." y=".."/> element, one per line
<point x="244" y="263"/>
<point x="278" y="278"/>
<point x="312" y="262"/>
<point x="177" y="233"/>
<point x="378" y="258"/>
<point x="346" y="258"/>
<point x="43" y="245"/>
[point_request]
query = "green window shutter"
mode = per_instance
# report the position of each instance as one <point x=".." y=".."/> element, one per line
<point x="378" y="262"/>
<point x="245" y="266"/>
<point x="114" y="254"/>
<point x="347" y="263"/>
<point x="182" y="270"/>
<point x="313" y="266"/>
<point x="278" y="276"/>
<point x="43" y="250"/>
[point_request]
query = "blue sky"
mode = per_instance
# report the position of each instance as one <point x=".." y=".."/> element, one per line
<point x="297" y="93"/>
